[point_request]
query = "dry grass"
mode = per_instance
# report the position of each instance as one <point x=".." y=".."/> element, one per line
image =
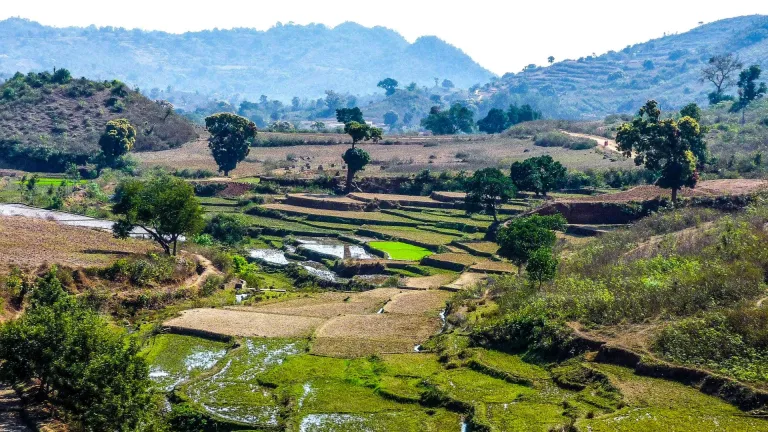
<point x="494" y="267"/>
<point x="245" y="324"/>
<point x="465" y="281"/>
<point x="361" y="335"/>
<point x="30" y="243"/>
<point x="429" y="282"/>
<point x="458" y="258"/>
<point x="328" y="305"/>
<point x="417" y="302"/>
<point x="708" y="188"/>
<point x="482" y="247"/>
<point x="496" y="151"/>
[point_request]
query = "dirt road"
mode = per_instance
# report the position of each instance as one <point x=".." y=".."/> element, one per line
<point x="10" y="411"/>
<point x="601" y="141"/>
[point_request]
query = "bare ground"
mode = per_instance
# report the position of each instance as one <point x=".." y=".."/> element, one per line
<point x="244" y="324"/>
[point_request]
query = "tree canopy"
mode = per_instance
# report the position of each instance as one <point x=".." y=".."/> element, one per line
<point x="346" y="115"/>
<point x="494" y="122"/>
<point x="670" y="147"/>
<point x="80" y="362"/>
<point x="522" y="236"/>
<point x="117" y="140"/>
<point x="231" y="139"/>
<point x="749" y="89"/>
<point x="391" y="118"/>
<point x="486" y="189"/>
<point x="389" y="85"/>
<point x="362" y="132"/>
<point x="719" y="71"/>
<point x="356" y="159"/>
<point x="456" y="119"/>
<point x="164" y="206"/>
<point x="540" y="174"/>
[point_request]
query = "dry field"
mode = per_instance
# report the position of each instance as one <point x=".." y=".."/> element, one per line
<point x="429" y="282"/>
<point x="244" y="324"/>
<point x="465" y="281"/>
<point x="342" y="324"/>
<point x="494" y="267"/>
<point x="708" y="188"/>
<point x="450" y="154"/>
<point x="30" y="243"/>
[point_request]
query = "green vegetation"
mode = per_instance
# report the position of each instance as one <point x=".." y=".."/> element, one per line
<point x="559" y="139"/>
<point x="164" y="206"/>
<point x="400" y="251"/>
<point x="118" y="139"/>
<point x="486" y="189"/>
<point x="672" y="148"/>
<point x="449" y="122"/>
<point x="540" y="174"/>
<point x="230" y="140"/>
<point x="521" y="238"/>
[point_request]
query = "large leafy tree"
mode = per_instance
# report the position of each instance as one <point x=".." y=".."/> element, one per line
<point x="389" y="85"/>
<point x="117" y="140"/>
<point x="749" y="90"/>
<point x="664" y="146"/>
<point x="456" y="119"/>
<point x="540" y="174"/>
<point x="230" y="140"/>
<point x="164" y="206"/>
<point x="720" y="72"/>
<point x="494" y="122"/>
<point x="522" y="236"/>
<point x="362" y="132"/>
<point x="391" y="118"/>
<point x="356" y="159"/>
<point x="486" y="189"/>
<point x="80" y="362"/>
<point x="346" y="115"/>
<point x="542" y="265"/>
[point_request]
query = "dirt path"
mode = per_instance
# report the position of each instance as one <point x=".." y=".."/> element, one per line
<point x="601" y="141"/>
<point x="10" y="411"/>
<point x="209" y="270"/>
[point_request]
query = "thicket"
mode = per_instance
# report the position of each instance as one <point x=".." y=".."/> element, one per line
<point x="559" y="139"/>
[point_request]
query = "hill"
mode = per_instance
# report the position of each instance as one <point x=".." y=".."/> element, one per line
<point x="48" y="121"/>
<point x="282" y="62"/>
<point x="666" y="69"/>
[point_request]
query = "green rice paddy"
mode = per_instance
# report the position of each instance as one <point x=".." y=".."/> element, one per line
<point x="400" y="251"/>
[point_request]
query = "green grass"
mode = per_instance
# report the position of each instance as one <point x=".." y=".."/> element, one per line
<point x="290" y="227"/>
<point x="400" y="251"/>
<point x="175" y="358"/>
<point x="417" y="236"/>
<point x="52" y="181"/>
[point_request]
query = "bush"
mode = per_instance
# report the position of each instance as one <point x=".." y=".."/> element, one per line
<point x="558" y="139"/>
<point x="211" y="285"/>
<point x="226" y="228"/>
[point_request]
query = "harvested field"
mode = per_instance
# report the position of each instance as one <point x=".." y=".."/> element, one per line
<point x="362" y="335"/>
<point x="708" y="188"/>
<point x="489" y="266"/>
<point x="243" y="324"/>
<point x="449" y="196"/>
<point x="327" y="305"/>
<point x="484" y="151"/>
<point x="343" y="216"/>
<point x="429" y="282"/>
<point x="325" y="202"/>
<point x="28" y="242"/>
<point x="465" y="281"/>
<point x="402" y="200"/>
<point x="451" y="261"/>
<point x="480" y="248"/>
<point x="418" y="302"/>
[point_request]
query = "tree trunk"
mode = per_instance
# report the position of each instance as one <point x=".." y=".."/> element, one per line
<point x="174" y="246"/>
<point x="350" y="176"/>
<point x="226" y="173"/>
<point x="493" y="212"/>
<point x="674" y="195"/>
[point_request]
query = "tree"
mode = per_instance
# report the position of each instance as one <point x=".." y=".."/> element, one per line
<point x="719" y="72"/>
<point x="540" y="174"/>
<point x="664" y="146"/>
<point x="749" y="90"/>
<point x="317" y="126"/>
<point x="226" y="228"/>
<point x="389" y="85"/>
<point x="230" y="140"/>
<point x="356" y="159"/>
<point x="346" y="115"/>
<point x="333" y="100"/>
<point x="542" y="266"/>
<point x="391" y="118"/>
<point x="691" y="110"/>
<point x="486" y="189"/>
<point x="448" y="84"/>
<point x="81" y="362"/>
<point x="164" y="206"/>
<point x="494" y="122"/>
<point x="362" y="132"/>
<point x="521" y="236"/>
<point x="525" y="113"/>
<point x="295" y="103"/>
<point x="457" y="119"/>
<point x="551" y="59"/>
<point x="117" y="140"/>
<point x="412" y="87"/>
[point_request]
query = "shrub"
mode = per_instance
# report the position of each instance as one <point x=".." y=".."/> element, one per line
<point x="226" y="228"/>
<point x="558" y="139"/>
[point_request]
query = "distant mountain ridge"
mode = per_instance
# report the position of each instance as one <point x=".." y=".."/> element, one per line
<point x="666" y="69"/>
<point x="282" y="62"/>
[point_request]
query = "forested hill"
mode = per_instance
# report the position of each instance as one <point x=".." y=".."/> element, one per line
<point x="285" y="61"/>
<point x="666" y="69"/>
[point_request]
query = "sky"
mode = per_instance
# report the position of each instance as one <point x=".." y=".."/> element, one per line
<point x="503" y="36"/>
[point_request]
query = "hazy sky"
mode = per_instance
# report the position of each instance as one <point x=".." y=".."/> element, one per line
<point x="503" y="36"/>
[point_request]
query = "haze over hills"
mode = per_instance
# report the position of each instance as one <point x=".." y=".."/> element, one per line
<point x="666" y="69"/>
<point x="282" y="62"/>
